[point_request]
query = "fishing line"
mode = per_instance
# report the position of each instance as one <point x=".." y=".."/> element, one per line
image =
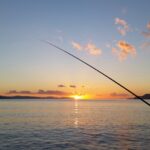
<point x="138" y="97"/>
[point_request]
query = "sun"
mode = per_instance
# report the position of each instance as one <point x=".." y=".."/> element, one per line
<point x="79" y="97"/>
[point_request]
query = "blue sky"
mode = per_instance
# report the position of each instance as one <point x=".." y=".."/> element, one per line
<point x="28" y="64"/>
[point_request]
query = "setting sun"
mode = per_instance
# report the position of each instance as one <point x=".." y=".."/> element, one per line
<point x="79" y="97"/>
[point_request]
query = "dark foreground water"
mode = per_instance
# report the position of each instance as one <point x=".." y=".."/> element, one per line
<point x="66" y="124"/>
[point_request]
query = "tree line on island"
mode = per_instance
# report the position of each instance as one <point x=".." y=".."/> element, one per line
<point x="145" y="96"/>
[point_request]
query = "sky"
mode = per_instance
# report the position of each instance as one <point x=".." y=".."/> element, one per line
<point x="113" y="36"/>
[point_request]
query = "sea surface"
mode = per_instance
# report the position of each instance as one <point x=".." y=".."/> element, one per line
<point x="74" y="125"/>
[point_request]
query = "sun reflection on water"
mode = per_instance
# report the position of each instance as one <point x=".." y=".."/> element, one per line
<point x="76" y="109"/>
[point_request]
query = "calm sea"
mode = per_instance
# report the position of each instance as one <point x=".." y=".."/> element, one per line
<point x="74" y="124"/>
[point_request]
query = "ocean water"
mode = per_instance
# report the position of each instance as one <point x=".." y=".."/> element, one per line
<point x="74" y="125"/>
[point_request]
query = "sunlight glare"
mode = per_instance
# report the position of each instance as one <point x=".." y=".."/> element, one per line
<point x="79" y="97"/>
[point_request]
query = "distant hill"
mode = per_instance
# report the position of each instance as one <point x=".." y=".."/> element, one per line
<point x="29" y="97"/>
<point x="145" y="96"/>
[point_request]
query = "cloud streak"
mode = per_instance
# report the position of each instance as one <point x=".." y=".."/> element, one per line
<point x="19" y="92"/>
<point x="72" y="86"/>
<point x="51" y="92"/>
<point x="61" y="86"/>
<point x="114" y="94"/>
<point x="39" y="92"/>
<point x="90" y="48"/>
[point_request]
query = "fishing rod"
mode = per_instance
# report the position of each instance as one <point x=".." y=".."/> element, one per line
<point x="138" y="97"/>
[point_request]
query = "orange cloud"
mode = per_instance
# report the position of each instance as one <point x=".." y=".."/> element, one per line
<point x="123" y="49"/>
<point x="123" y="26"/>
<point x="148" y="26"/>
<point x="92" y="49"/>
<point x="114" y="94"/>
<point x="77" y="46"/>
<point x="89" y="47"/>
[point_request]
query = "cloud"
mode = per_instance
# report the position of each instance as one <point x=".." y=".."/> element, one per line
<point x="51" y="92"/>
<point x="18" y="92"/>
<point x="145" y="45"/>
<point x="123" y="26"/>
<point x="148" y="25"/>
<point x="114" y="50"/>
<point x="72" y="86"/>
<point x="61" y="86"/>
<point x="114" y="94"/>
<point x="90" y="48"/>
<point x="121" y="22"/>
<point x="39" y="92"/>
<point x="122" y="31"/>
<point x="76" y="45"/>
<point x="123" y="49"/>
<point x="146" y="34"/>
